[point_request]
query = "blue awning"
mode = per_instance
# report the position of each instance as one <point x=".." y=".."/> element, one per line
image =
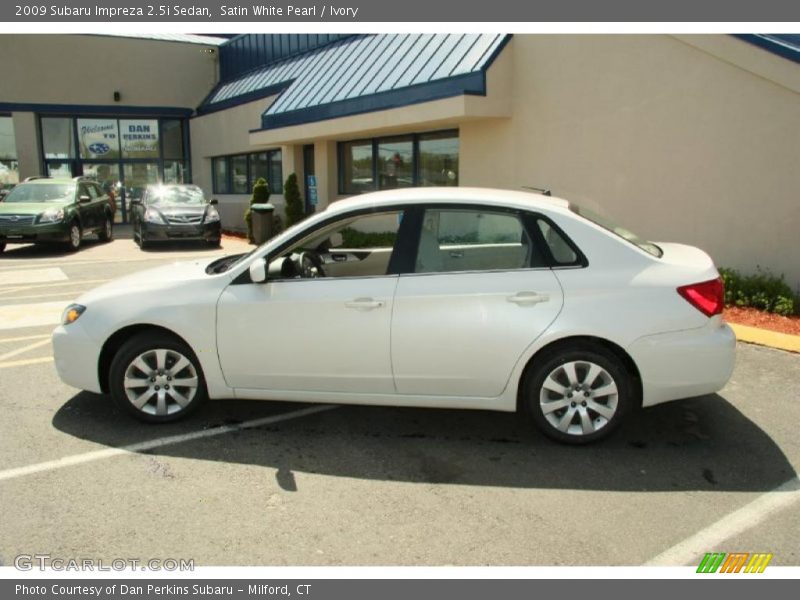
<point x="362" y="74"/>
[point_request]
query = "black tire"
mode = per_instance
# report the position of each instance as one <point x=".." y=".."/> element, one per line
<point x="145" y="347"/>
<point x="106" y="234"/>
<point x="141" y="241"/>
<point x="213" y="243"/>
<point x="572" y="417"/>
<point x="74" y="241"/>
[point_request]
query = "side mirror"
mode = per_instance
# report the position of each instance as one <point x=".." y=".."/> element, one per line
<point x="258" y="271"/>
<point x="84" y="199"/>
<point x="214" y="202"/>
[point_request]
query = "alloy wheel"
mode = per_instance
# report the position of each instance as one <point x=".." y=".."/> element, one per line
<point x="579" y="398"/>
<point x="161" y="382"/>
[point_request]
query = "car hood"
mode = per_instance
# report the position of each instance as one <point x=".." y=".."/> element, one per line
<point x="157" y="279"/>
<point x="27" y="208"/>
<point x="181" y="210"/>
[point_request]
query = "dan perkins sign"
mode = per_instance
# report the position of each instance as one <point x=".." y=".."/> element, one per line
<point x="139" y="138"/>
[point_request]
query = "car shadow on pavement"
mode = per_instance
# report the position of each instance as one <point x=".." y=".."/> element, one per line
<point x="701" y="444"/>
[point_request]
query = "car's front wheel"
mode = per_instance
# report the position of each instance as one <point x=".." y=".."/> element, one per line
<point x="157" y="378"/>
<point x="577" y="393"/>
<point x="75" y="237"/>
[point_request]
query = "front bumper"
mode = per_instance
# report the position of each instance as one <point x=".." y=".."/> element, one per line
<point x="76" y="357"/>
<point x="684" y="364"/>
<point x="31" y="234"/>
<point x="209" y="232"/>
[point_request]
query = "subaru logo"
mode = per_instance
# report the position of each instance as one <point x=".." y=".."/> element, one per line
<point x="99" y="148"/>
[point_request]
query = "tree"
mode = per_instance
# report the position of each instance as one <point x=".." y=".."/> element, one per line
<point x="260" y="196"/>
<point x="294" y="204"/>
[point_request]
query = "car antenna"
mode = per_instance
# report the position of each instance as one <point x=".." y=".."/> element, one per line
<point x="542" y="191"/>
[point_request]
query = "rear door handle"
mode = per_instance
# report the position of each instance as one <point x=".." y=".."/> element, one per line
<point x="528" y="298"/>
<point x="364" y="304"/>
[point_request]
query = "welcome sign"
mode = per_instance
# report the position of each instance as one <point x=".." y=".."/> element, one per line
<point x="98" y="138"/>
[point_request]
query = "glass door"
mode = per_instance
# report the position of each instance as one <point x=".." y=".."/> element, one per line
<point x="136" y="177"/>
<point x="108" y="176"/>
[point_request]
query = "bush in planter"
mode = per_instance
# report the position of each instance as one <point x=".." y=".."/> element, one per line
<point x="260" y="196"/>
<point x="763" y="291"/>
<point x="294" y="204"/>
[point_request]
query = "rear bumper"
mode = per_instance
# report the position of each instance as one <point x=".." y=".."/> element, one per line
<point x="683" y="364"/>
<point x="209" y="232"/>
<point x="31" y="234"/>
<point x="76" y="357"/>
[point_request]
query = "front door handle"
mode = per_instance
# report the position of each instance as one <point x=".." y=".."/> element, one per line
<point x="364" y="304"/>
<point x="528" y="298"/>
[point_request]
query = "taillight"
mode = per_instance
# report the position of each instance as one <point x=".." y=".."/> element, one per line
<point x="708" y="297"/>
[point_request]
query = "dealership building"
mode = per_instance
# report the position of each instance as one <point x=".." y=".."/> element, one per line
<point x="687" y="138"/>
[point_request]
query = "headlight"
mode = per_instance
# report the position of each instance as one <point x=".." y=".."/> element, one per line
<point x="212" y="215"/>
<point x="151" y="215"/>
<point x="72" y="313"/>
<point x="52" y="215"/>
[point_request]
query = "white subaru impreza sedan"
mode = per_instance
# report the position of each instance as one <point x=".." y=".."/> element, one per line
<point x="428" y="297"/>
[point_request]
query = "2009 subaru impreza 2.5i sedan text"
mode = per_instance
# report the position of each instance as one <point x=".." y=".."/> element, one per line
<point x="428" y="297"/>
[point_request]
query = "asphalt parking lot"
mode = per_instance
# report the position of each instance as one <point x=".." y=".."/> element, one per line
<point x="264" y="483"/>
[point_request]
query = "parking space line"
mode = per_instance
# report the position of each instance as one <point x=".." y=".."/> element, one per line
<point x="24" y="349"/>
<point x="732" y="524"/>
<point x="15" y="316"/>
<point x="31" y="276"/>
<point x="24" y="338"/>
<point x="71" y="293"/>
<point x="72" y="283"/>
<point x="26" y="362"/>
<point x="78" y="459"/>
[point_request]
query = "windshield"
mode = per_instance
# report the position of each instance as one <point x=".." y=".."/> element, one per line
<point x="178" y="195"/>
<point x="616" y="229"/>
<point x="41" y="192"/>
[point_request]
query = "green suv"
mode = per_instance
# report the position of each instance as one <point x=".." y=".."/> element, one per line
<point x="44" y="210"/>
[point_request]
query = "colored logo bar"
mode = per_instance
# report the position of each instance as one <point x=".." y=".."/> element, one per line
<point x="736" y="562"/>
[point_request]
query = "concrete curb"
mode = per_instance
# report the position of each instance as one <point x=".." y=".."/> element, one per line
<point x="764" y="337"/>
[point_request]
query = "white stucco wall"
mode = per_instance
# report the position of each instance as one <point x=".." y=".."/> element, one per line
<point x="680" y="139"/>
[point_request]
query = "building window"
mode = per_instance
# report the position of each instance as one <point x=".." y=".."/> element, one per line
<point x="58" y="138"/>
<point x="9" y="167"/>
<point x="238" y="174"/>
<point x="221" y="176"/>
<point x="438" y="159"/>
<point x="172" y="139"/>
<point x="395" y="162"/>
<point x="357" y="168"/>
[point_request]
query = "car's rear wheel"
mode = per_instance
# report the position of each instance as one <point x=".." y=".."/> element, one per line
<point x="106" y="234"/>
<point x="157" y="378"/>
<point x="577" y="393"/>
<point x="75" y="237"/>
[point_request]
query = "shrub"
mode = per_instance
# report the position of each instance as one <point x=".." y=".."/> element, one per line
<point x="260" y="196"/>
<point x="762" y="290"/>
<point x="352" y="238"/>
<point x="294" y="204"/>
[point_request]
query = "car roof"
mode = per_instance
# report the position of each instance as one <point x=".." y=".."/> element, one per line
<point x="48" y="181"/>
<point x="451" y="195"/>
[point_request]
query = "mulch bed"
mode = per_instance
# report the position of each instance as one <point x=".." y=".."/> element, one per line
<point x="756" y="318"/>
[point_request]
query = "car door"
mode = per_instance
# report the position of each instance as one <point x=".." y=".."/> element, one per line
<point x="480" y="293"/>
<point x="87" y="209"/>
<point x="328" y="333"/>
